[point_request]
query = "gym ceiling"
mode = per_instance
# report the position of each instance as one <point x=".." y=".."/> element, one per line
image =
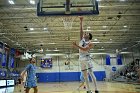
<point x="116" y="27"/>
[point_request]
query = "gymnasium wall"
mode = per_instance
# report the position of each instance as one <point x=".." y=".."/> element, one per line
<point x="62" y="73"/>
<point x="136" y="52"/>
<point x="127" y="58"/>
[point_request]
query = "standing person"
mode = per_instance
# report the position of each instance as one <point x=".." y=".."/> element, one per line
<point x="138" y="72"/>
<point x="31" y="76"/>
<point x="84" y="57"/>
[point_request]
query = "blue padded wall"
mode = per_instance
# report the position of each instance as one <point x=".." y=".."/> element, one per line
<point x="108" y="60"/>
<point x="119" y="60"/>
<point x="66" y="76"/>
<point x="100" y="75"/>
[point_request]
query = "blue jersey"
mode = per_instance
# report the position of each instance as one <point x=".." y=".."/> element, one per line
<point x="31" y="72"/>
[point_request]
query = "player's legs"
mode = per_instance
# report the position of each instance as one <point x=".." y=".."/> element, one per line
<point x="85" y="73"/>
<point x="81" y="84"/>
<point x="35" y="89"/>
<point x="82" y="81"/>
<point x="86" y="79"/>
<point x="27" y="90"/>
<point x="90" y="70"/>
<point x="93" y="77"/>
<point x="82" y="77"/>
<point x="31" y="84"/>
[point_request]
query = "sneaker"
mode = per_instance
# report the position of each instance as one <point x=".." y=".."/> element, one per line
<point x="89" y="91"/>
<point x="96" y="91"/>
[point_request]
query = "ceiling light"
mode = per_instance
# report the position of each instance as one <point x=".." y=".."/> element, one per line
<point x="32" y="2"/>
<point x="87" y="29"/>
<point x="95" y="42"/>
<point x="124" y="26"/>
<point x="124" y="48"/>
<point x="11" y="2"/>
<point x="125" y="52"/>
<point x="101" y="49"/>
<point x="48" y="50"/>
<point x="56" y="49"/>
<point x="17" y="43"/>
<point x="108" y="42"/>
<point x="51" y="43"/>
<point x="45" y="28"/>
<point x="31" y="29"/>
<point x="104" y="26"/>
<point x="95" y="39"/>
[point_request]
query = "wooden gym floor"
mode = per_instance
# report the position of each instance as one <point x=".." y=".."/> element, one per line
<point x="70" y="87"/>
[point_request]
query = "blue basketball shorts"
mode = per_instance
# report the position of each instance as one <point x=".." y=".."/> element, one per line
<point x="30" y="84"/>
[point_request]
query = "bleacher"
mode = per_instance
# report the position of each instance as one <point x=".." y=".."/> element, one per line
<point x="128" y="73"/>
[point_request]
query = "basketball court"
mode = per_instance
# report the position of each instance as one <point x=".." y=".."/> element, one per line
<point x="70" y="87"/>
<point x="110" y="88"/>
<point x="46" y="30"/>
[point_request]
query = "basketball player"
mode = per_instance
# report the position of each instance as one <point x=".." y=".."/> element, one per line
<point x="31" y="76"/>
<point x="84" y="57"/>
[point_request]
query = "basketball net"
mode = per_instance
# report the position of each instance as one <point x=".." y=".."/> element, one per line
<point x="67" y="21"/>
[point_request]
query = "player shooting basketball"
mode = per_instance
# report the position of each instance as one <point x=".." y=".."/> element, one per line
<point x="84" y="57"/>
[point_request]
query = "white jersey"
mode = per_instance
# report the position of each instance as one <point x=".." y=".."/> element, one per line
<point x="83" y="55"/>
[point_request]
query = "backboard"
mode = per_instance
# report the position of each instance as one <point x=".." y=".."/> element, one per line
<point x="67" y="7"/>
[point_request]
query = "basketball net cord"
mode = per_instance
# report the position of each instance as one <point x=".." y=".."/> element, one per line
<point x="67" y="21"/>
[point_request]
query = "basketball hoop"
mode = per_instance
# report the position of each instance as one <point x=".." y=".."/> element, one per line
<point x="67" y="21"/>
